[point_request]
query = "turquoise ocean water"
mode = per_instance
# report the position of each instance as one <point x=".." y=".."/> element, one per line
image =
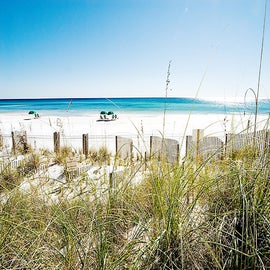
<point x="83" y="106"/>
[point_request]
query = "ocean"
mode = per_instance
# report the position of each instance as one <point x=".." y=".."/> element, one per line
<point x="83" y="106"/>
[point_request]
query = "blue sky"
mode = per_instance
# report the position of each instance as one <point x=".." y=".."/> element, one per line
<point x="121" y="48"/>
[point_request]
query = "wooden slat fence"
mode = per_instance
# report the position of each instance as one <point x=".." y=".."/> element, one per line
<point x="235" y="142"/>
<point x="204" y="147"/>
<point x="163" y="148"/>
<point x="123" y="147"/>
<point x="19" y="141"/>
<point x="211" y="147"/>
<point x="12" y="164"/>
<point x="197" y="145"/>
<point x="15" y="163"/>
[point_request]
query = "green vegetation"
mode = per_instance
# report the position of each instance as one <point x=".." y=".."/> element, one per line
<point x="212" y="214"/>
<point x="9" y="178"/>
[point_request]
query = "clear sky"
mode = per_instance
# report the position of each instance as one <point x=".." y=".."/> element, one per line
<point x="121" y="48"/>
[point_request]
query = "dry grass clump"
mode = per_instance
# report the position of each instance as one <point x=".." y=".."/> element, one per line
<point x="65" y="151"/>
<point x="9" y="178"/>
<point x="101" y="155"/>
<point x="30" y="164"/>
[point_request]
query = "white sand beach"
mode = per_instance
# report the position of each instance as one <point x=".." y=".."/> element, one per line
<point x="138" y="127"/>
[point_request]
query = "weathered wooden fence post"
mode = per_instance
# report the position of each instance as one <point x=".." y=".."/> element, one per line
<point x="197" y="138"/>
<point x="13" y="142"/>
<point x="248" y="125"/>
<point x="111" y="181"/>
<point x="225" y="145"/>
<point x="116" y="146"/>
<point x="178" y="153"/>
<point x="189" y="146"/>
<point x="145" y="161"/>
<point x="151" y="146"/>
<point x="85" y="144"/>
<point x="56" y="141"/>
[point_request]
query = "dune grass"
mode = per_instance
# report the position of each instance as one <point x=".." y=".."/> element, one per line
<point x="214" y="214"/>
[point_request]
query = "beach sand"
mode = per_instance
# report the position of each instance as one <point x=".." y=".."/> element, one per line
<point x="139" y="127"/>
